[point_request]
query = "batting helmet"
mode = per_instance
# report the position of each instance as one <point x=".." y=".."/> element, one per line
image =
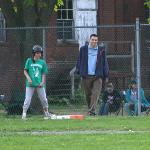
<point x="37" y="48"/>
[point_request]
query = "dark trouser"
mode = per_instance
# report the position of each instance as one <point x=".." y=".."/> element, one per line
<point x="105" y="108"/>
<point x="92" y="87"/>
<point x="132" y="108"/>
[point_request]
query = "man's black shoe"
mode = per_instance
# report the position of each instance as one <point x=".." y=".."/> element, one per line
<point x="92" y="113"/>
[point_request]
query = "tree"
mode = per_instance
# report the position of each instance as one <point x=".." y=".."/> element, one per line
<point x="22" y="13"/>
<point x="147" y="4"/>
<point x="28" y="13"/>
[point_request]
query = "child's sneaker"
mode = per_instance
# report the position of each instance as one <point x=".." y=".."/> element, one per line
<point x="49" y="116"/>
<point x="24" y="116"/>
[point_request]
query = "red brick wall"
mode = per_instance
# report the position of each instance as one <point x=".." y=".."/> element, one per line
<point x="109" y="12"/>
<point x="120" y="11"/>
<point x="10" y="71"/>
<point x="59" y="51"/>
<point x="106" y="12"/>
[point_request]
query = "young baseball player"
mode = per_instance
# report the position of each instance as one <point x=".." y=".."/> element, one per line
<point x="35" y="72"/>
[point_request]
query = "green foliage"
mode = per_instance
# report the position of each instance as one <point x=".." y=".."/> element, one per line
<point x="27" y="13"/>
<point x="29" y="3"/>
<point x="38" y="8"/>
<point x="147" y="4"/>
<point x="79" y="99"/>
<point x="148" y="20"/>
<point x="58" y="4"/>
<point x="43" y="4"/>
<point x="16" y="102"/>
<point x="53" y="100"/>
<point x="2" y="107"/>
<point x="80" y="96"/>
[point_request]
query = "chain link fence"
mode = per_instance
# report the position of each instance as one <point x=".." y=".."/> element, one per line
<point x="63" y="85"/>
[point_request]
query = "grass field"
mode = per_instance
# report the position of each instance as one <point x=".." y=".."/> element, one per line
<point x="92" y="133"/>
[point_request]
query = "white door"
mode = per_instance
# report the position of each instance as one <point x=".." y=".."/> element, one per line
<point x="85" y="15"/>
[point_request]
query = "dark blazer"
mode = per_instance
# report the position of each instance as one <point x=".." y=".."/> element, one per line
<point x="102" y="69"/>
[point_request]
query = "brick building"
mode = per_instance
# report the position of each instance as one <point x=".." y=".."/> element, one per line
<point x="94" y="13"/>
<point x="62" y="43"/>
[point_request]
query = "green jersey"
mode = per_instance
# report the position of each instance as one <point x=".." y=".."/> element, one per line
<point x="35" y="70"/>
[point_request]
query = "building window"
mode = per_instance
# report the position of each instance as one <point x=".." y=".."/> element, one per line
<point x="65" y="21"/>
<point x="2" y="26"/>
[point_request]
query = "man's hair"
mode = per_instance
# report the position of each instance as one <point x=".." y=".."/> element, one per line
<point x="95" y="35"/>
<point x="109" y="84"/>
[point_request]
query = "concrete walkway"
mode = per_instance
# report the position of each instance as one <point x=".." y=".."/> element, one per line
<point x="67" y="132"/>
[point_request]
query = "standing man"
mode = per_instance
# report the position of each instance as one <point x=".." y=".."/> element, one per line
<point x="92" y="66"/>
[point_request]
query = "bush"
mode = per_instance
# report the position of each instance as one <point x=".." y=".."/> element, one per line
<point x="79" y="96"/>
<point x="58" y="101"/>
<point x="14" y="106"/>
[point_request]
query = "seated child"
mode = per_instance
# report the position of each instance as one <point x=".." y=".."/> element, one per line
<point x="131" y="105"/>
<point x="111" y="100"/>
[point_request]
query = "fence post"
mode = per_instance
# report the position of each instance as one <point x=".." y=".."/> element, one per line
<point x="132" y="58"/>
<point x="138" y="63"/>
<point x="72" y="87"/>
<point x="44" y="44"/>
<point x="44" y="47"/>
<point x="72" y="83"/>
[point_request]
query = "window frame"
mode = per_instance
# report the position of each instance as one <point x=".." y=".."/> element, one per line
<point x="66" y="22"/>
<point x="2" y="28"/>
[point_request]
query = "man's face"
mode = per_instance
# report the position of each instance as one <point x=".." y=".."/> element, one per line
<point x="109" y="89"/>
<point x="93" y="41"/>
